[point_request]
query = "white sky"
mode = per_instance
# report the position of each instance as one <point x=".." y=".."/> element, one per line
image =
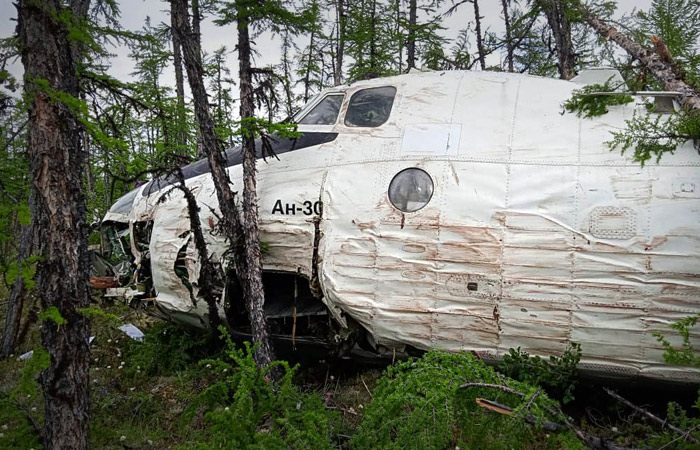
<point x="134" y="13"/>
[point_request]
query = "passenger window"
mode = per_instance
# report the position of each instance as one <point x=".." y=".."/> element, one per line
<point x="370" y="107"/>
<point x="325" y="113"/>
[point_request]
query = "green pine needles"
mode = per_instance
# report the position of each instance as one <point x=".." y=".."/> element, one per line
<point x="651" y="136"/>
<point x="246" y="409"/>
<point x="418" y="404"/>
<point x="593" y="100"/>
<point x="648" y="135"/>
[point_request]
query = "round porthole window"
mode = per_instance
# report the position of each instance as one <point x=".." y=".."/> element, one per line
<point x="411" y="189"/>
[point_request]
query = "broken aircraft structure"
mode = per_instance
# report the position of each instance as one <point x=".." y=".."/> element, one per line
<point x="453" y="210"/>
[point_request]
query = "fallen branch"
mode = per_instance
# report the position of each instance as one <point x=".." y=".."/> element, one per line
<point x="663" y="423"/>
<point x="493" y="386"/>
<point x="652" y="61"/>
<point x="508" y="411"/>
<point x="593" y="442"/>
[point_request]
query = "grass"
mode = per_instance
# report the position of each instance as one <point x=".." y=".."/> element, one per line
<point x="141" y="392"/>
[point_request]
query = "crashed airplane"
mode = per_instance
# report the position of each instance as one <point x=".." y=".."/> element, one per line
<point x="452" y="210"/>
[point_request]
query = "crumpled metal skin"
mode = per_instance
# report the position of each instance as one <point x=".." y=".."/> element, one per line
<point x="536" y="235"/>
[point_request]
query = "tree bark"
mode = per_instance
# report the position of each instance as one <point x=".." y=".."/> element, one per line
<point x="210" y="280"/>
<point x="653" y="62"/>
<point x="196" y="29"/>
<point x="58" y="215"/>
<point x="509" y="35"/>
<point x="307" y="75"/>
<point x="211" y="145"/>
<point x="479" y="38"/>
<point x="181" y="137"/>
<point x="555" y="11"/>
<point x="411" y="38"/>
<point x="288" y="95"/>
<point x="252" y="284"/>
<point x="373" y="40"/>
<point x="338" y="69"/>
<point x="17" y="294"/>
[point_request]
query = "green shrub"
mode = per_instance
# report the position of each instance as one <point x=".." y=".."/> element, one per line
<point x="16" y="430"/>
<point x="167" y="349"/>
<point x="246" y="410"/>
<point x="418" y="404"/>
<point x="557" y="375"/>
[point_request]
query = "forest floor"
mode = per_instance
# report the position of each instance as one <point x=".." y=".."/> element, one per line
<point x="142" y="396"/>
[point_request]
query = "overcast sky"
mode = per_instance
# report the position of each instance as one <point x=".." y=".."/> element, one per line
<point x="134" y="13"/>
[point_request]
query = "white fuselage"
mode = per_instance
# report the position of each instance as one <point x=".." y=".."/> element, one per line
<point x="536" y="234"/>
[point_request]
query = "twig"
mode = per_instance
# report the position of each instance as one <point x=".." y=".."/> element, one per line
<point x="590" y="440"/>
<point x="532" y="399"/>
<point x="493" y="386"/>
<point x="678" y="438"/>
<point x="663" y="423"/>
<point x="365" y="385"/>
<point x="508" y="411"/>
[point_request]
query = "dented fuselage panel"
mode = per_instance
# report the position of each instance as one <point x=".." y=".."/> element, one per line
<point x="527" y="231"/>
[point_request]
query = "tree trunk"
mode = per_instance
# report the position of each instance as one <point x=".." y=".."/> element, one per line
<point x="338" y="69"/>
<point x="555" y="11"/>
<point x="509" y="35"/>
<point x="210" y="279"/>
<point x="181" y="136"/>
<point x="58" y="217"/>
<point x="288" y="95"/>
<point x="653" y="62"/>
<point x="307" y="75"/>
<point x="411" y="38"/>
<point x="211" y="145"/>
<point x="196" y="20"/>
<point x="374" y="65"/>
<point x="479" y="38"/>
<point x="16" y="301"/>
<point x="252" y="284"/>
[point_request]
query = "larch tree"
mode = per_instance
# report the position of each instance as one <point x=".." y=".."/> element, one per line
<point x="221" y="87"/>
<point x="370" y="39"/>
<point x="644" y="134"/>
<point x="269" y="15"/>
<point x="505" y="4"/>
<point x="211" y="145"/>
<point x="310" y="64"/>
<point x="16" y="237"/>
<point x="285" y="71"/>
<point x="181" y="134"/>
<point x="50" y="61"/>
<point x="340" y="25"/>
<point x="557" y="14"/>
<point x="421" y="38"/>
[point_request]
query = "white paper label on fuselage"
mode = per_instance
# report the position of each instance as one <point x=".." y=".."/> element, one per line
<point x="431" y="139"/>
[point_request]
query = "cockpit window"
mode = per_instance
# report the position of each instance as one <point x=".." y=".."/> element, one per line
<point x="370" y="107"/>
<point x="325" y="113"/>
<point x="124" y="204"/>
